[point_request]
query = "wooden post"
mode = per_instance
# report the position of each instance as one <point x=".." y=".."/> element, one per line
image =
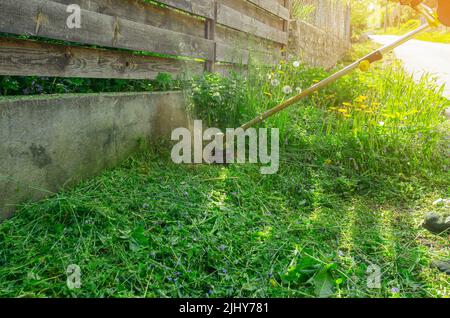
<point x="287" y="4"/>
<point x="210" y="34"/>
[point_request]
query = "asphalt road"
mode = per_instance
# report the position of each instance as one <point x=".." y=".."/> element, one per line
<point x="421" y="57"/>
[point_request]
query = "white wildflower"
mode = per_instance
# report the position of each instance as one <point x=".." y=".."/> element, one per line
<point x="298" y="89"/>
<point x="296" y="64"/>
<point x="381" y="123"/>
<point x="275" y="82"/>
<point x="287" y="90"/>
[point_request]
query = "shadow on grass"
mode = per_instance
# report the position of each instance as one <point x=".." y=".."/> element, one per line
<point x="154" y="229"/>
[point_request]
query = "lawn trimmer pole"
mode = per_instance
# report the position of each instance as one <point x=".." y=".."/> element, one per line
<point x="362" y="64"/>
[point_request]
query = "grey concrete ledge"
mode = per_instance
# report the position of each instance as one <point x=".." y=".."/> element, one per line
<point x="50" y="142"/>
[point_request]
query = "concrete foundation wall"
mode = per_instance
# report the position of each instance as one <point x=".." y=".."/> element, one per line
<point x="47" y="144"/>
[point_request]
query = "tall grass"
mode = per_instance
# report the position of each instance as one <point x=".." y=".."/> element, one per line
<point x="381" y="120"/>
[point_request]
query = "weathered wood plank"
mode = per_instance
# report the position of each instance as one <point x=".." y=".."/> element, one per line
<point x="204" y="8"/>
<point x="255" y="12"/>
<point x="235" y="55"/>
<point x="244" y="40"/>
<point x="237" y="20"/>
<point x="227" y="69"/>
<point x="145" y="13"/>
<point x="32" y="58"/>
<point x="48" y="19"/>
<point x="272" y="7"/>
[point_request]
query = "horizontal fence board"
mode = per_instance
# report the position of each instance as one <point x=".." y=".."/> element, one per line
<point x="231" y="54"/>
<point x="254" y="12"/>
<point x="236" y="20"/>
<point x="141" y="12"/>
<point x="48" y="19"/>
<point x="204" y="8"/>
<point x="31" y="58"/>
<point x="235" y="55"/>
<point x="246" y="41"/>
<point x="228" y="69"/>
<point x="272" y="7"/>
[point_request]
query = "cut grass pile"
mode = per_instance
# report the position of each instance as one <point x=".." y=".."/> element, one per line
<point x="151" y="228"/>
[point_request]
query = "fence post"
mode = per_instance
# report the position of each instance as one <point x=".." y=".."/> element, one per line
<point x="210" y="34"/>
<point x="287" y="4"/>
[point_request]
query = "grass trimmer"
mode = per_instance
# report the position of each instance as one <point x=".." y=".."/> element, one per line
<point x="433" y="20"/>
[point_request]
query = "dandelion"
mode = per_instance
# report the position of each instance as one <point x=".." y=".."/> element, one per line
<point x="346" y="104"/>
<point x="298" y="89"/>
<point x="328" y="162"/>
<point x="296" y="64"/>
<point x="287" y="90"/>
<point x="361" y="99"/>
<point x="275" y="82"/>
<point x="342" y="110"/>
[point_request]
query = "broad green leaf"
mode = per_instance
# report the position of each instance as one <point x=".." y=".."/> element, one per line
<point x="324" y="284"/>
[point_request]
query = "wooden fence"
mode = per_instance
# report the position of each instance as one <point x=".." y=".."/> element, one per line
<point x="331" y="16"/>
<point x="137" y="39"/>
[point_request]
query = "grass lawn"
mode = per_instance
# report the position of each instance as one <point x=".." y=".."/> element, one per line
<point x="152" y="228"/>
<point x="349" y="199"/>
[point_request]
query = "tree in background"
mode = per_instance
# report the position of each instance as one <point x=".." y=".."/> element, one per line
<point x="360" y="11"/>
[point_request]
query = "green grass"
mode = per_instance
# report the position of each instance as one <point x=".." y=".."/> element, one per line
<point x="349" y="194"/>
<point x="438" y="36"/>
<point x="154" y="229"/>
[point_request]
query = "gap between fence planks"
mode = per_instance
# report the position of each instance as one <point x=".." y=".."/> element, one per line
<point x="25" y="57"/>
